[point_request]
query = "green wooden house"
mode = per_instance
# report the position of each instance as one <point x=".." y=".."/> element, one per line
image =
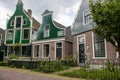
<point x="20" y="28"/>
<point x="52" y="41"/>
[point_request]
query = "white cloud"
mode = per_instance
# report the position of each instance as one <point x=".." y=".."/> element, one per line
<point x="64" y="10"/>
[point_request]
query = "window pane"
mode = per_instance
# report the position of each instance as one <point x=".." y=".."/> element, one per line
<point x="10" y="35"/>
<point x="18" y="22"/>
<point x="46" y="50"/>
<point x="26" y="34"/>
<point x="36" y="51"/>
<point x="87" y="17"/>
<point x="46" y="31"/>
<point x="99" y="46"/>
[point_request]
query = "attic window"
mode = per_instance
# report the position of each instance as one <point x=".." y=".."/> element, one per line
<point x="12" y="23"/>
<point x="18" y="22"/>
<point x="87" y="17"/>
<point x="24" y="22"/>
<point x="60" y="33"/>
<point x="46" y="31"/>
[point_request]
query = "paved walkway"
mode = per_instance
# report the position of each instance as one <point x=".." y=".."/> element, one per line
<point x="20" y="74"/>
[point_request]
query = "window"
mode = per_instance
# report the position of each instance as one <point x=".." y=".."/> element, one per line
<point x="24" y="22"/>
<point x="12" y="23"/>
<point x="36" y="51"/>
<point x="24" y="51"/>
<point x="59" y="50"/>
<point x="46" y="50"/>
<point x="10" y="35"/>
<point x="46" y="31"/>
<point x="26" y="34"/>
<point x="60" y="33"/>
<point x="87" y="17"/>
<point x="18" y="22"/>
<point x="0" y="38"/>
<point x="99" y="47"/>
<point x="10" y="50"/>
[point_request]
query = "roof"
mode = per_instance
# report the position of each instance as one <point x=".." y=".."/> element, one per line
<point x="46" y="12"/>
<point x="78" y="25"/>
<point x="58" y="24"/>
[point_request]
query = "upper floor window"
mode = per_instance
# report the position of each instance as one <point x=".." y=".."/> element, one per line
<point x="18" y="22"/>
<point x="10" y="35"/>
<point x="0" y="38"/>
<point x="46" y="31"/>
<point x="24" y="21"/>
<point x="26" y="34"/>
<point x="60" y="33"/>
<point x="87" y="18"/>
<point x="99" y="46"/>
<point x="12" y="23"/>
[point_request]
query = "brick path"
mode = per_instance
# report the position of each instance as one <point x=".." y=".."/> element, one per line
<point x="19" y="74"/>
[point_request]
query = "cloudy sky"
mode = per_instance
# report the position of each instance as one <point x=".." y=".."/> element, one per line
<point x="64" y="11"/>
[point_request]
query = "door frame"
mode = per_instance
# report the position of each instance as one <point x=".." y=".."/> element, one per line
<point x="82" y="35"/>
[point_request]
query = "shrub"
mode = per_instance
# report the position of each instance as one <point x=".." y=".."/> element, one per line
<point x="13" y="56"/>
<point x="3" y="63"/>
<point x="51" y="66"/>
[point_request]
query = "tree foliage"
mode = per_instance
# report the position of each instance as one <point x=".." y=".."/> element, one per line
<point x="106" y="16"/>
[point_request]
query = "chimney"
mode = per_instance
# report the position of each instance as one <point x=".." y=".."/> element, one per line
<point x="30" y="12"/>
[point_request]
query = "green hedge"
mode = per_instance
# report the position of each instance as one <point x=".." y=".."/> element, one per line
<point x="3" y="63"/>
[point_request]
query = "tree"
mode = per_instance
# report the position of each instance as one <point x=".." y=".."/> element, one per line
<point x="106" y="16"/>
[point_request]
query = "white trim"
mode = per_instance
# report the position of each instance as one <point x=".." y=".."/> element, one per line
<point x="21" y="22"/>
<point x="84" y="17"/>
<point x="56" y="48"/>
<point x="94" y="48"/>
<point x="25" y="21"/>
<point x="47" y="14"/>
<point x="43" y="50"/>
<point x="23" y="34"/>
<point x="34" y="50"/>
<point x="44" y="31"/>
<point x="78" y="45"/>
<point x="48" y="40"/>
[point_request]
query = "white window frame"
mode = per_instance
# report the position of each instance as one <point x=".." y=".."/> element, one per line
<point x="43" y="50"/>
<point x="12" y="35"/>
<point x="12" y="22"/>
<point x="47" y="32"/>
<point x="84" y="36"/>
<point x="56" y="48"/>
<point x="25" y="21"/>
<point x="34" y="51"/>
<point x="94" y="48"/>
<point x="90" y="21"/>
<point x="60" y="33"/>
<point x="21" y="21"/>
<point x="23" y="34"/>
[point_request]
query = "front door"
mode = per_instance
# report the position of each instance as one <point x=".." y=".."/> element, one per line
<point x="81" y="53"/>
<point x="81" y="49"/>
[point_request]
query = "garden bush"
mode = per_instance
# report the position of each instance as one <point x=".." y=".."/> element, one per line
<point x="51" y="66"/>
<point x="3" y="63"/>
